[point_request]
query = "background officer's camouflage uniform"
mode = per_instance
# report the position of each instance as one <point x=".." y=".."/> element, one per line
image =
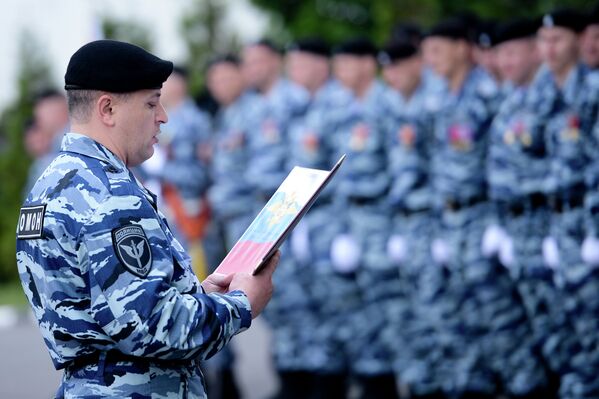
<point x="291" y="313"/>
<point x="516" y="170"/>
<point x="360" y="190"/>
<point x="267" y="143"/>
<point x="471" y="288"/>
<point x="231" y="195"/>
<point x="569" y="130"/>
<point x="93" y="294"/>
<point x="409" y="138"/>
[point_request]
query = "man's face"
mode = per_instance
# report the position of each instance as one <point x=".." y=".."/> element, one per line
<point x="517" y="60"/>
<point x="225" y="82"/>
<point x="589" y="48"/>
<point x="487" y="59"/>
<point x="51" y="114"/>
<point x="348" y="69"/>
<point x="174" y="90"/>
<point x="259" y="66"/>
<point x="138" y="117"/>
<point x="558" y="47"/>
<point x="307" y="70"/>
<point x="443" y="54"/>
<point x="402" y="75"/>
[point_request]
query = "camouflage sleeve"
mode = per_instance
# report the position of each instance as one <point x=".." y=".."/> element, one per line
<point x="139" y="294"/>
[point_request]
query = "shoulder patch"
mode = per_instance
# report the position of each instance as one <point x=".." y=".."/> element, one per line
<point x="133" y="249"/>
<point x="31" y="222"/>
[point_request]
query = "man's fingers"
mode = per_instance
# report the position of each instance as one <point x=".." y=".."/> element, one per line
<point x="221" y="280"/>
<point x="273" y="262"/>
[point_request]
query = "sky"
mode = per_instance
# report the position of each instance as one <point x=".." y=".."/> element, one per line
<point x="62" y="26"/>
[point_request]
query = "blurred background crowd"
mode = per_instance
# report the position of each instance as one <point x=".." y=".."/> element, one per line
<point x="455" y="255"/>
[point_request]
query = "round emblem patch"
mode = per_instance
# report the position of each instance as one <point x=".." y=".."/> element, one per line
<point x="133" y="249"/>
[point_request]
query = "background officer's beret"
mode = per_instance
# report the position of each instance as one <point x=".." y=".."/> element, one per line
<point x="456" y="28"/>
<point x="565" y="18"/>
<point x="593" y="15"/>
<point x="310" y="45"/>
<point x="269" y="44"/>
<point x="228" y="58"/>
<point x="518" y="28"/>
<point x="394" y="52"/>
<point x="360" y="46"/>
<point x="485" y="34"/>
<point x="116" y="67"/>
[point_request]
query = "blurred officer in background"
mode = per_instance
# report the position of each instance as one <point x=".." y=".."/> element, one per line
<point x="278" y="102"/>
<point x="569" y="136"/>
<point x="183" y="152"/>
<point x="306" y="65"/>
<point x="409" y="138"/>
<point x="589" y="46"/>
<point x="230" y="195"/>
<point x="357" y="130"/>
<point x="50" y="122"/>
<point x="467" y="281"/>
<point x="516" y="170"/>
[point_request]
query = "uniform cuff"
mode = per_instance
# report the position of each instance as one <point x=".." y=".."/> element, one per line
<point x="245" y="309"/>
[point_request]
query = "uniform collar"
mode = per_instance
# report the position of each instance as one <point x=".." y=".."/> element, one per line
<point x="81" y="144"/>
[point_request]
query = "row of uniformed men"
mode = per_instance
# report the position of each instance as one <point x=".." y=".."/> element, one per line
<point x="455" y="251"/>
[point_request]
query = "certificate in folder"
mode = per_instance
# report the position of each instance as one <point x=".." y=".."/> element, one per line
<point x="276" y="220"/>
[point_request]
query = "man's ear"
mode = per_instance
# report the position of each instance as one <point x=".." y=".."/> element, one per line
<point x="105" y="109"/>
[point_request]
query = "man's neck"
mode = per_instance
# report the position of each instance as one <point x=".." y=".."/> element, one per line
<point x="88" y="130"/>
<point x="363" y="87"/>
<point x="408" y="92"/>
<point x="562" y="74"/>
<point x="457" y="79"/>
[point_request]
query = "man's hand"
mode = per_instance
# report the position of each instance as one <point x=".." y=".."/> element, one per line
<point x="217" y="282"/>
<point x="258" y="288"/>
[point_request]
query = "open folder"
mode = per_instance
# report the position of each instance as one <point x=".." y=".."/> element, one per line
<point x="276" y="220"/>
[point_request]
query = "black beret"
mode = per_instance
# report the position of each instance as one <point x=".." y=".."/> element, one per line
<point x="565" y="18"/>
<point x="453" y="28"/>
<point x="485" y="34"/>
<point x="310" y="45"/>
<point x="518" y="28"/>
<point x="116" y="67"/>
<point x="223" y="59"/>
<point x="360" y="46"/>
<point x="407" y="32"/>
<point x="394" y="52"/>
<point x="181" y="71"/>
<point x="593" y="15"/>
<point x="269" y="44"/>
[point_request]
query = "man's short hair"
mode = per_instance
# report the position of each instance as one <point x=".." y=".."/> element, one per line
<point x="81" y="103"/>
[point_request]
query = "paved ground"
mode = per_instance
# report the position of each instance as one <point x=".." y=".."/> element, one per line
<point x="26" y="371"/>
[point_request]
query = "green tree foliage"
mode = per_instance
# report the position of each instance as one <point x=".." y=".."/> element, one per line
<point x="205" y="34"/>
<point x="34" y="75"/>
<point x="336" y="20"/>
<point x="127" y="31"/>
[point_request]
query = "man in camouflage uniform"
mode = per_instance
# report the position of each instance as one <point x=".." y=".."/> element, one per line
<point x="230" y="195"/>
<point x="357" y="129"/>
<point x="589" y="45"/>
<point x="113" y="292"/>
<point x="279" y="101"/>
<point x="572" y="91"/>
<point x="296" y="359"/>
<point x="185" y="152"/>
<point x="470" y="288"/>
<point x="516" y="170"/>
<point x="409" y="129"/>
